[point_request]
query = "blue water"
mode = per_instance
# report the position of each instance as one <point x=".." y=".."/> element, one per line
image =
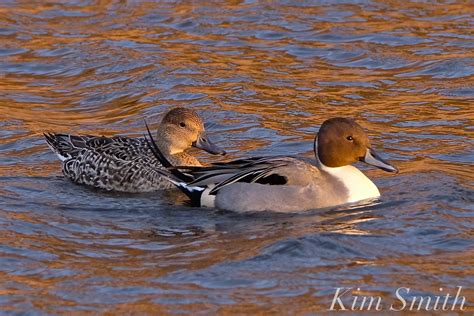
<point x="264" y="76"/>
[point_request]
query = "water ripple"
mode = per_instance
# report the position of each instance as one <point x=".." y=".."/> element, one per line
<point x="264" y="76"/>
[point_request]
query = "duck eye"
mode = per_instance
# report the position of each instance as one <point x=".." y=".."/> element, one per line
<point x="349" y="138"/>
<point x="182" y="124"/>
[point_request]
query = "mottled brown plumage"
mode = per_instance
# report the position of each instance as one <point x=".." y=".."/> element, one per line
<point x="126" y="164"/>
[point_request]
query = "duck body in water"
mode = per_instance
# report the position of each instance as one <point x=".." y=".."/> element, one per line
<point x="286" y="184"/>
<point x="127" y="164"/>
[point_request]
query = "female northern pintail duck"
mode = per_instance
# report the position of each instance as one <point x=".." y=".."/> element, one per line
<point x="286" y="184"/>
<point x="127" y="164"/>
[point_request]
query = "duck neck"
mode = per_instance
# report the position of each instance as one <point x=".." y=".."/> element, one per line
<point x="358" y="186"/>
<point x="174" y="156"/>
<point x="165" y="148"/>
<point x="183" y="159"/>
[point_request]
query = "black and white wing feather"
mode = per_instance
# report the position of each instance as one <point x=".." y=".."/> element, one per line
<point x="194" y="180"/>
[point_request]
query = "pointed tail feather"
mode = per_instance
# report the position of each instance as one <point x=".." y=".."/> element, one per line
<point x="163" y="160"/>
<point x="194" y="193"/>
<point x="179" y="179"/>
<point x="59" y="145"/>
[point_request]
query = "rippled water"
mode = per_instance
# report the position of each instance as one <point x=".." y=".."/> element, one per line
<point x="265" y="75"/>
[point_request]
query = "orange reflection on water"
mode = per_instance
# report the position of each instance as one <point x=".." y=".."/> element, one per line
<point x="267" y="76"/>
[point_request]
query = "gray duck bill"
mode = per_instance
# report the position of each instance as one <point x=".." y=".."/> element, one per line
<point x="372" y="158"/>
<point x="204" y="143"/>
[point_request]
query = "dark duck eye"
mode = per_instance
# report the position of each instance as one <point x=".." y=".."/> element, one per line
<point x="182" y="124"/>
<point x="349" y="138"/>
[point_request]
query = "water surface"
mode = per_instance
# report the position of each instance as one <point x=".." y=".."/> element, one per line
<point x="265" y="75"/>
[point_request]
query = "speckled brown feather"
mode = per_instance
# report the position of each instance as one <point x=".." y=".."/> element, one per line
<point x="122" y="163"/>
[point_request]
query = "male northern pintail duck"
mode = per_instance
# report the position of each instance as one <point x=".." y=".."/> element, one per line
<point x="127" y="164"/>
<point x="286" y="184"/>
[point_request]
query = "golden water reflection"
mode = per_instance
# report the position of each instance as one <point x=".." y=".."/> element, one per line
<point x="266" y="75"/>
